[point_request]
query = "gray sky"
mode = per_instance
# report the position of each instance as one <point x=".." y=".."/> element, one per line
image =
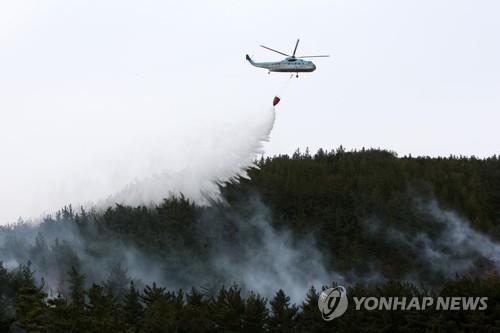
<point x="79" y="79"/>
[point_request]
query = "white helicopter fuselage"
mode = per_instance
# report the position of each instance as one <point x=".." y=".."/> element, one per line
<point x="288" y="65"/>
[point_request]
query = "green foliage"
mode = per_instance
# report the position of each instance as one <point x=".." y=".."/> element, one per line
<point x="133" y="312"/>
<point x="256" y="314"/>
<point x="7" y="298"/>
<point x="283" y="315"/>
<point x="76" y="282"/>
<point x="195" y="317"/>
<point x="31" y="309"/>
<point x="117" y="282"/>
<point x="310" y="319"/>
<point x="61" y="315"/>
<point x="77" y="288"/>
<point x="229" y="311"/>
<point x="345" y="200"/>
<point x="163" y="311"/>
<point x="102" y="310"/>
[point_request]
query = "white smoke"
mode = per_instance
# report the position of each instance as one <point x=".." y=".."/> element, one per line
<point x="450" y="247"/>
<point x="126" y="149"/>
<point x="458" y="246"/>
<point x="265" y="259"/>
<point x="241" y="247"/>
<point x="224" y="157"/>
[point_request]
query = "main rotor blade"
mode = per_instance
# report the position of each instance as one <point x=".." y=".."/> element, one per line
<point x="315" y="56"/>
<point x="274" y="50"/>
<point x="295" y="49"/>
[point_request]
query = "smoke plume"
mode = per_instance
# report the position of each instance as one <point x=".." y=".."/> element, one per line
<point x="235" y="246"/>
<point x="136" y="152"/>
<point x="441" y="245"/>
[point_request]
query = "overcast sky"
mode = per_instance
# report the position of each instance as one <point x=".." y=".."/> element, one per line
<point x="419" y="77"/>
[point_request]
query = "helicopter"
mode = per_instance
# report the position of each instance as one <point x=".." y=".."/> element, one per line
<point x="291" y="64"/>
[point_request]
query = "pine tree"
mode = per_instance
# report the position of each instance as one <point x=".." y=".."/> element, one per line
<point x="283" y="315"/>
<point x="117" y="282"/>
<point x="76" y="288"/>
<point x="152" y="294"/>
<point x="256" y="314"/>
<point x="195" y="316"/>
<point x="7" y="299"/>
<point x="78" y="317"/>
<point x="228" y="308"/>
<point x="101" y="309"/>
<point x="309" y="318"/>
<point x="133" y="312"/>
<point x="31" y="310"/>
<point x="164" y="313"/>
<point x="60" y="315"/>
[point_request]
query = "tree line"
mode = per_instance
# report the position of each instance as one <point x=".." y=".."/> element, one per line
<point x="349" y="202"/>
<point x="154" y="309"/>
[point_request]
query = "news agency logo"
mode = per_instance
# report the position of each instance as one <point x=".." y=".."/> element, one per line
<point x="421" y="303"/>
<point x="332" y="302"/>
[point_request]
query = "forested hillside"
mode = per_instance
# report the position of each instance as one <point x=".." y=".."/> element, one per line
<point x="360" y="219"/>
<point x="360" y="203"/>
